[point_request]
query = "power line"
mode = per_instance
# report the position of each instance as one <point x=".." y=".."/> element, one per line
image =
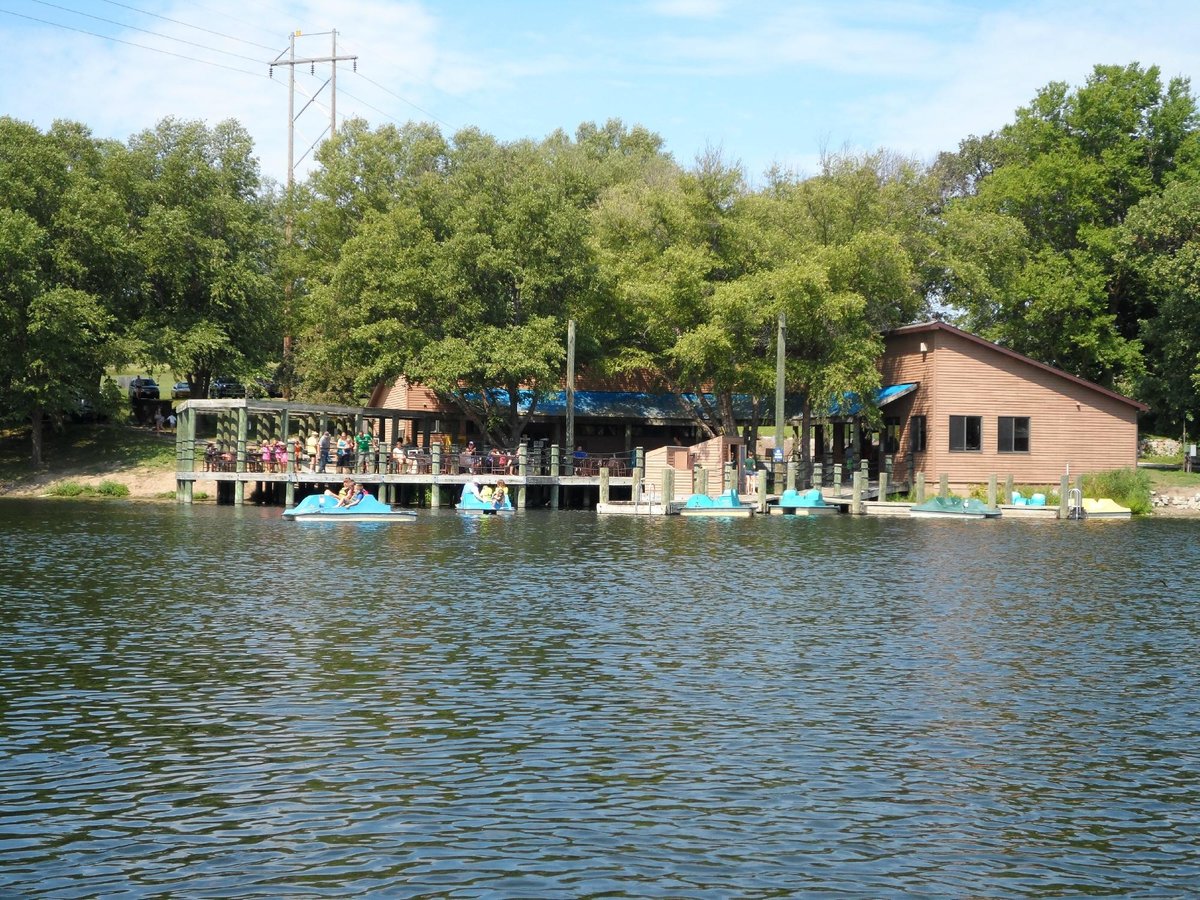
<point x="105" y="37"/>
<point x="188" y="25"/>
<point x="401" y="99"/>
<point x="145" y="30"/>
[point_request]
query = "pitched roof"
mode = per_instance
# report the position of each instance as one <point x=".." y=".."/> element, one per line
<point x="922" y="327"/>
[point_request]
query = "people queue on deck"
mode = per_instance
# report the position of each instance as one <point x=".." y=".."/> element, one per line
<point x="346" y="452"/>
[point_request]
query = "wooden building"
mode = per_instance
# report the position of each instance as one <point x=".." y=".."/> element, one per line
<point x="976" y="408"/>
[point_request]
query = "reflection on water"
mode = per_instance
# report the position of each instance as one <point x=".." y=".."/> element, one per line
<point x="214" y="702"/>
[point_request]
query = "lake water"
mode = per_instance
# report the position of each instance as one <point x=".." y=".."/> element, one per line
<point x="212" y="702"/>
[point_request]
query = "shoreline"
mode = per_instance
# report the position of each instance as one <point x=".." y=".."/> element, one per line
<point x="152" y="484"/>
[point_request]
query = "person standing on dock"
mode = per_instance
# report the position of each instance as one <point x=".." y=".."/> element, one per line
<point x="323" y="452"/>
<point x="362" y="443"/>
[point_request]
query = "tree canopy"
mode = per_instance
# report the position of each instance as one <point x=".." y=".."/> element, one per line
<point x="1067" y="234"/>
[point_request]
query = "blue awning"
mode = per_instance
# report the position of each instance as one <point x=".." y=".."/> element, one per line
<point x="649" y="407"/>
<point x="851" y="404"/>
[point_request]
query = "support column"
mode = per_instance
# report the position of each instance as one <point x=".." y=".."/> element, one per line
<point x="239" y="486"/>
<point x="435" y="469"/>
<point x="556" y="471"/>
<point x="522" y="491"/>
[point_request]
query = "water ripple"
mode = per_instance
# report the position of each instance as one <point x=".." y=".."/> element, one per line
<point x="214" y="703"/>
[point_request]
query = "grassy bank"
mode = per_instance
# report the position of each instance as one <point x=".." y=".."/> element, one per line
<point x="79" y="450"/>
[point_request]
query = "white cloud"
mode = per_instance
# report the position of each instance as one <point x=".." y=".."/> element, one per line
<point x="689" y="9"/>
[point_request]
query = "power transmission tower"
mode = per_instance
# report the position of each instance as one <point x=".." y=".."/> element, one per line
<point x="311" y="61"/>
<point x="291" y="62"/>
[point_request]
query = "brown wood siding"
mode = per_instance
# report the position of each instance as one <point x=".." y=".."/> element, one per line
<point x="1069" y="423"/>
<point x="402" y="395"/>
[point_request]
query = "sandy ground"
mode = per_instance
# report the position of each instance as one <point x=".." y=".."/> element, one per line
<point x="144" y="483"/>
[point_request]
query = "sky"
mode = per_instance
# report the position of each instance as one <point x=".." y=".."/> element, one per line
<point x="766" y="83"/>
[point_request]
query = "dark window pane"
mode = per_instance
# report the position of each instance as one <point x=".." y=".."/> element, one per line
<point x="1004" y="434"/>
<point x="1021" y="434"/>
<point x="974" y="433"/>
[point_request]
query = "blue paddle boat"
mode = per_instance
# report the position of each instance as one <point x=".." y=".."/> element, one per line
<point x="323" y="508"/>
<point x="954" y="508"/>
<point x="727" y="504"/>
<point x="803" y="503"/>
<point x="472" y="503"/>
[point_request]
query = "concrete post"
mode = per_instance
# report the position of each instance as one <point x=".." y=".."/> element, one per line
<point x="435" y="469"/>
<point x="604" y="475"/>
<point x="700" y="480"/>
<point x="239" y="487"/>
<point x="991" y="497"/>
<point x="1008" y="489"/>
<point x="791" y="475"/>
<point x="883" y="485"/>
<point x="522" y="501"/>
<point x="919" y="488"/>
<point x="556" y="471"/>
<point x="944" y="486"/>
<point x="856" y="489"/>
<point x="668" y="488"/>
<point x="1064" y="486"/>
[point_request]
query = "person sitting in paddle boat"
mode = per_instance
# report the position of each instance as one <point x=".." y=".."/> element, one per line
<point x="348" y="491"/>
<point x="485" y="493"/>
<point x="357" y="492"/>
<point x="499" y="493"/>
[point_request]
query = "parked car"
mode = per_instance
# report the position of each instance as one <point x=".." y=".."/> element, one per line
<point x="267" y="387"/>
<point x="181" y="390"/>
<point x="143" y="389"/>
<point x="223" y="387"/>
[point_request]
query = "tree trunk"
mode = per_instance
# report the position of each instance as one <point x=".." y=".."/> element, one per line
<point x="35" y="435"/>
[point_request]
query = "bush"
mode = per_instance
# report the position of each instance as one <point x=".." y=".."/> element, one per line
<point x="69" y="489"/>
<point x="1129" y="487"/>
<point x="112" y="489"/>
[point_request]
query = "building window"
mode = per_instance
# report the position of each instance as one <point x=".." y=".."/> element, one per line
<point x="916" y="433"/>
<point x="966" y="433"/>
<point x="1012" y="434"/>
<point x="891" y="436"/>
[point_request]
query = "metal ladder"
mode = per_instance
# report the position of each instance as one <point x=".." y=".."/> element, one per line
<point x="1075" y="504"/>
<point x="646" y="490"/>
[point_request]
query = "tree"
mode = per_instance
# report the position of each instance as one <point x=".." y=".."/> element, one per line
<point x="674" y="248"/>
<point x="1056" y="184"/>
<point x="60" y="240"/>
<point x="1160" y="248"/>
<point x="208" y="300"/>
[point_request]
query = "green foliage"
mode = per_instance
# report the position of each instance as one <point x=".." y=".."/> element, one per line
<point x="1036" y="212"/>
<point x="208" y="301"/>
<point x="108" y="489"/>
<point x="1128" y="487"/>
<point x="112" y="489"/>
<point x="69" y="489"/>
